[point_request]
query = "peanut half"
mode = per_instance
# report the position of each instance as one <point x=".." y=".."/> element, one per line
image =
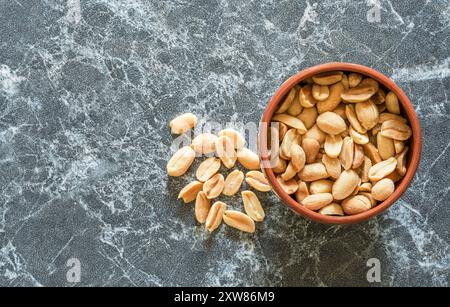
<point x="239" y="220"/>
<point x="258" y="181"/>
<point x="233" y="183"/>
<point x="183" y="123"/>
<point x="356" y="204"/>
<point x="248" y="158"/>
<point x="215" y="216"/>
<point x="252" y="206"/>
<point x="225" y="151"/>
<point x="189" y="192"/>
<point x="236" y="138"/>
<point x="204" y="143"/>
<point x="382" y="169"/>
<point x="214" y="186"/>
<point x="383" y="189"/>
<point x="207" y="169"/>
<point x="202" y="207"/>
<point x="180" y="161"/>
<point x="317" y="201"/>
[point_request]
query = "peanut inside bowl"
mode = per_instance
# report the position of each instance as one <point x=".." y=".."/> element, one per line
<point x="340" y="143"/>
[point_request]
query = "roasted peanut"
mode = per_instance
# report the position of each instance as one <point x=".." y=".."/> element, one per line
<point x="183" y="123"/>
<point x="202" y="207"/>
<point x="180" y="161"/>
<point x="207" y="169"/>
<point x="252" y="206"/>
<point x="311" y="149"/>
<point x="345" y="184"/>
<point x="214" y="186"/>
<point x="189" y="192"/>
<point x="248" y="159"/>
<point x="233" y="183"/>
<point x="383" y="189"/>
<point x="331" y="123"/>
<point x="392" y="103"/>
<point x="204" y="143"/>
<point x="317" y="201"/>
<point x="320" y="92"/>
<point x="239" y="221"/>
<point x="215" y="216"/>
<point x="258" y="181"/>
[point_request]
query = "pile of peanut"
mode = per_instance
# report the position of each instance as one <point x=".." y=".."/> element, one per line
<point x="224" y="149"/>
<point x="342" y="143"/>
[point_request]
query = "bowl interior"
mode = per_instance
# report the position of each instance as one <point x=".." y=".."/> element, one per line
<point x="407" y="111"/>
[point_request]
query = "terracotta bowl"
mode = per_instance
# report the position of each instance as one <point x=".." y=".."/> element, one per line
<point x="407" y="111"/>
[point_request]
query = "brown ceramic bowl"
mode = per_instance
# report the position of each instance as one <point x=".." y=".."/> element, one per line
<point x="407" y="111"/>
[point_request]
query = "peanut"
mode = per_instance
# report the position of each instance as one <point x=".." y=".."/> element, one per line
<point x="252" y="206"/>
<point x="180" y="161"/>
<point x="233" y="183"/>
<point x="239" y="221"/>
<point x="258" y="181"/>
<point x="383" y="189"/>
<point x="183" y="123"/>
<point x="215" y="215"/>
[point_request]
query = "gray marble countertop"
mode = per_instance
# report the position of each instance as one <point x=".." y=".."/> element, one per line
<point x="87" y="89"/>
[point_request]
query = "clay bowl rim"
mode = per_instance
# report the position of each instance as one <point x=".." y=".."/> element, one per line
<point x="414" y="151"/>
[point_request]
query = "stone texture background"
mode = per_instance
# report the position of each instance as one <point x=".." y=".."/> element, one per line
<point x="87" y="89"/>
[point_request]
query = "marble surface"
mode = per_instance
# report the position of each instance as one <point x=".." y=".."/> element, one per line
<point x="87" y="89"/>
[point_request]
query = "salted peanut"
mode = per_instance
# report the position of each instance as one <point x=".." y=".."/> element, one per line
<point x="306" y="98"/>
<point x="189" y="192"/>
<point x="214" y="186"/>
<point x="290" y="138"/>
<point x="248" y="158"/>
<point x="375" y="129"/>
<point x="379" y="97"/>
<point x="385" y="147"/>
<point x="320" y="92"/>
<point x="317" y="201"/>
<point x="333" y="145"/>
<point x="311" y="148"/>
<point x="399" y="146"/>
<point x="359" y="93"/>
<point x="204" y="143"/>
<point x="367" y="113"/>
<point x="331" y="123"/>
<point x="345" y="82"/>
<point x="365" y="187"/>
<point x="345" y="184"/>
<point x="394" y="176"/>
<point x="202" y="207"/>
<point x="354" y="79"/>
<point x="332" y="209"/>
<point x="279" y="166"/>
<point x="287" y="101"/>
<point x="239" y="220"/>
<point x="356" y="190"/>
<point x="332" y="165"/>
<point x="321" y="186"/>
<point x="347" y="153"/>
<point x="372" y="152"/>
<point x="340" y="110"/>
<point x="233" y="183"/>
<point x="291" y="121"/>
<point x="252" y="206"/>
<point x="290" y="186"/>
<point x="353" y="119"/>
<point x="308" y="116"/>
<point x="333" y="99"/>
<point x="180" y="161"/>
<point x="313" y="172"/>
<point x="225" y="151"/>
<point x="328" y="78"/>
<point x="371" y="82"/>
<point x="392" y="103"/>
<point x="207" y="169"/>
<point x="295" y="108"/>
<point x="215" y="216"/>
<point x="396" y="130"/>
<point x="356" y="204"/>
<point x="315" y="133"/>
<point x="381" y="107"/>
<point x="365" y="169"/>
<point x="282" y="129"/>
<point x="373" y="201"/>
<point x="235" y="136"/>
<point x="401" y="162"/>
<point x="358" y="138"/>
<point x="382" y="169"/>
<point x="258" y="181"/>
<point x="183" y="123"/>
<point x="385" y="116"/>
<point x="298" y="157"/>
<point x="358" y="156"/>
<point x="302" y="191"/>
<point x="383" y="189"/>
<point x="289" y="173"/>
